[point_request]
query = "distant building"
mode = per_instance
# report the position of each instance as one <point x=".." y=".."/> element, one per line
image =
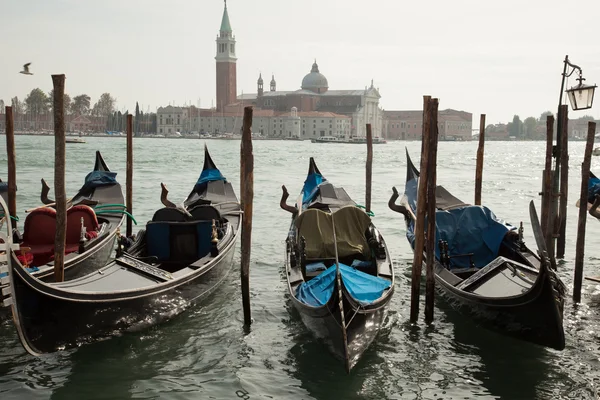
<point x="170" y="120"/>
<point x="361" y="106"/>
<point x="408" y="125"/>
<point x="316" y="110"/>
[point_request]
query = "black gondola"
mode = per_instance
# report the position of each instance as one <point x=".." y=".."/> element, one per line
<point x="339" y="273"/>
<point x="180" y="258"/>
<point x="484" y="269"/>
<point x="94" y="216"/>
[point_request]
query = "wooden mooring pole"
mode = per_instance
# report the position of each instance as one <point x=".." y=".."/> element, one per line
<point x="421" y="209"/>
<point x="430" y="237"/>
<point x="583" y="201"/>
<point x="564" y="184"/>
<point x="58" y="82"/>
<point x="548" y="193"/>
<point x="547" y="178"/>
<point x="129" y="179"/>
<point x="247" y="197"/>
<point x="12" y="165"/>
<point x="479" y="166"/>
<point x="369" y="168"/>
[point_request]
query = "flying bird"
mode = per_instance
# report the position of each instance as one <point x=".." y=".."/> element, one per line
<point x="26" y="69"/>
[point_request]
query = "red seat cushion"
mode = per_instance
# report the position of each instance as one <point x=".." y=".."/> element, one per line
<point x="40" y="231"/>
<point x="40" y="227"/>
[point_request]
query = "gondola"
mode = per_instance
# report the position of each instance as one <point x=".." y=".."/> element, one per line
<point x="339" y="273"/>
<point x="179" y="259"/>
<point x="485" y="270"/>
<point x="94" y="217"/>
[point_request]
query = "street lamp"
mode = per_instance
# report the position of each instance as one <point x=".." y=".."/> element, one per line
<point x="581" y="96"/>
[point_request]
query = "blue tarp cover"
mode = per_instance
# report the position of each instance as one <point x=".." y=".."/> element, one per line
<point x="593" y="189"/>
<point x="471" y="229"/>
<point x="3" y="187"/>
<point x="363" y="287"/>
<point x="209" y="175"/>
<point x="311" y="184"/>
<point x="99" y="178"/>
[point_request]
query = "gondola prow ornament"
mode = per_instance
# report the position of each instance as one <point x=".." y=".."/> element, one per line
<point x="214" y="249"/>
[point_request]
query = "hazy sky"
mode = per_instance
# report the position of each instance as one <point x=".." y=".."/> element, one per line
<point x="495" y="57"/>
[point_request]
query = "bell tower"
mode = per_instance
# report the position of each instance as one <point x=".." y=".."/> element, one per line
<point x="226" y="64"/>
<point x="260" y="85"/>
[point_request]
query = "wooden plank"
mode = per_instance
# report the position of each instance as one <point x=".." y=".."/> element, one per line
<point x="7" y="302"/>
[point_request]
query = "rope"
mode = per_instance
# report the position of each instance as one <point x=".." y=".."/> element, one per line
<point x="369" y="213"/>
<point x="117" y="212"/>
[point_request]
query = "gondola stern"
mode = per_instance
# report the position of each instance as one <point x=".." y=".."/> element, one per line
<point x="208" y="161"/>
<point x="411" y="171"/>
<point x="100" y="164"/>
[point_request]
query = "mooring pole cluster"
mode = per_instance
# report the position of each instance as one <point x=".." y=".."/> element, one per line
<point x="425" y="209"/>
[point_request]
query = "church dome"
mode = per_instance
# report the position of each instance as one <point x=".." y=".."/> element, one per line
<point x="315" y="81"/>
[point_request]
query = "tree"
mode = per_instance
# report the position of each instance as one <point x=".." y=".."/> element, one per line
<point x="530" y="124"/>
<point x="37" y="102"/>
<point x="515" y="128"/>
<point x="67" y="100"/>
<point x="137" y="118"/>
<point x="544" y="115"/>
<point x="16" y="105"/>
<point x="105" y="105"/>
<point x="81" y="105"/>
<point x="1" y="106"/>
<point x="586" y="118"/>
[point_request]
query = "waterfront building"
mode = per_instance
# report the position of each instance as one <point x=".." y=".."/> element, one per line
<point x="408" y="125"/>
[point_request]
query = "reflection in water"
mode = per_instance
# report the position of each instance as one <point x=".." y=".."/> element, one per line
<point x="503" y="359"/>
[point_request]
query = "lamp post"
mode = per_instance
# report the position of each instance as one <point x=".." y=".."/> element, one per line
<point x="581" y="97"/>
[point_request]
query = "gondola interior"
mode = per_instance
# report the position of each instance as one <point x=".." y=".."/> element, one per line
<point x="361" y="255"/>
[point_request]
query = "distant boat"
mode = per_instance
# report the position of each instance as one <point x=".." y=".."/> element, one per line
<point x="355" y="140"/>
<point x="74" y="140"/>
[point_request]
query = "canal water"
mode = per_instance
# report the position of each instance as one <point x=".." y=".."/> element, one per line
<point x="205" y="352"/>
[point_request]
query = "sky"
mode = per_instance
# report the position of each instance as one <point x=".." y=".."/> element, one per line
<point x="499" y="58"/>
